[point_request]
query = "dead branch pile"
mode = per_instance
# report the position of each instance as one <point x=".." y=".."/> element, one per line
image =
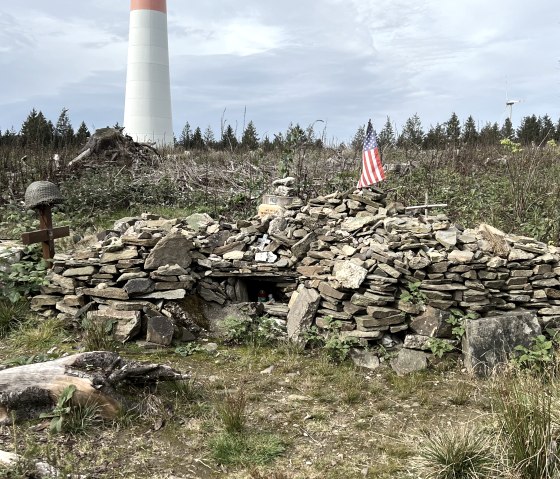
<point x="112" y="146"/>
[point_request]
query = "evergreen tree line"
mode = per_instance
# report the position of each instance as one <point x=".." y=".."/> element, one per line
<point x="37" y="131"/>
<point x="532" y="130"/>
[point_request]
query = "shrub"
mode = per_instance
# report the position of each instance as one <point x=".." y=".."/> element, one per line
<point x="25" y="277"/>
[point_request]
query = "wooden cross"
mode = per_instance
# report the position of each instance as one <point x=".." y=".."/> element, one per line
<point x="46" y="235"/>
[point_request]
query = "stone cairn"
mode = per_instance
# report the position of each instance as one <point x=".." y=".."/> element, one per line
<point x="390" y="277"/>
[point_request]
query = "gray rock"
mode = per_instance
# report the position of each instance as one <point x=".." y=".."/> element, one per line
<point x="302" y="311"/>
<point x="199" y="221"/>
<point x="447" y="238"/>
<point x="409" y="361"/>
<point x="126" y="323"/>
<point x="490" y="342"/>
<point x="364" y="359"/>
<point x="173" y="249"/>
<point x="84" y="271"/>
<point x="138" y="286"/>
<point x="173" y="294"/>
<point x="160" y="330"/>
<point x="112" y="257"/>
<point x="301" y="248"/>
<point x="350" y="275"/>
<point x="432" y="322"/>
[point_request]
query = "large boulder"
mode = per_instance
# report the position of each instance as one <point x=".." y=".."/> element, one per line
<point x="175" y="248"/>
<point x="302" y="311"/>
<point x="490" y="342"/>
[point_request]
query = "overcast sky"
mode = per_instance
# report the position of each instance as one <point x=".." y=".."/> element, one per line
<point x="340" y="61"/>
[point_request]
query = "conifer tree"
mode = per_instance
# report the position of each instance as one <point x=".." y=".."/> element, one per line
<point x="64" y="133"/>
<point x="209" y="139"/>
<point x="229" y="140"/>
<point x="547" y="129"/>
<point x="197" y="140"/>
<point x="185" y="139"/>
<point x="250" y="140"/>
<point x="412" y="134"/>
<point x="470" y="132"/>
<point x="489" y="134"/>
<point x="507" y="132"/>
<point x="36" y="130"/>
<point x="386" y="137"/>
<point x="529" y="131"/>
<point x="453" y="130"/>
<point x="82" y="134"/>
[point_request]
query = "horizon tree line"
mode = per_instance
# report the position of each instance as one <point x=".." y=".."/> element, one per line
<point x="38" y="131"/>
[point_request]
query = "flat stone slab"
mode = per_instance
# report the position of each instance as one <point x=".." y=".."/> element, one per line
<point x="489" y="343"/>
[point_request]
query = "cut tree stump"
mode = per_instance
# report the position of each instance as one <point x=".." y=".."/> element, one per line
<point x="27" y="391"/>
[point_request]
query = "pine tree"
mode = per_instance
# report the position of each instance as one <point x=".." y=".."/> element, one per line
<point x="64" y="133"/>
<point x="209" y="139"/>
<point x="267" y="144"/>
<point x="470" y="133"/>
<point x="507" y="132"/>
<point x="386" y="137"/>
<point x="489" y="134"/>
<point x="557" y="132"/>
<point x="250" y="140"/>
<point x="529" y="131"/>
<point x="197" y="140"/>
<point x="435" y="138"/>
<point x="229" y="141"/>
<point x="358" y="140"/>
<point x="453" y="130"/>
<point x="412" y="134"/>
<point x="82" y="134"/>
<point x="547" y="129"/>
<point x="36" y="130"/>
<point x="185" y="139"/>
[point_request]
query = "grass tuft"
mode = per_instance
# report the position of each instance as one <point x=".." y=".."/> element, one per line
<point x="12" y="315"/>
<point x="232" y="412"/>
<point x="528" y="427"/>
<point x="246" y="449"/>
<point x="462" y="453"/>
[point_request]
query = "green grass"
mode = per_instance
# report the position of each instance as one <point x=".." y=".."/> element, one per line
<point x="246" y="449"/>
<point x="38" y="336"/>
<point x="529" y="427"/>
<point x="12" y="315"/>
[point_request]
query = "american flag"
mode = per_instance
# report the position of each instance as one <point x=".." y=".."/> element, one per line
<point x="372" y="169"/>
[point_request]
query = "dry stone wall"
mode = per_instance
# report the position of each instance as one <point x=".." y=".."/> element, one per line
<point x="389" y="277"/>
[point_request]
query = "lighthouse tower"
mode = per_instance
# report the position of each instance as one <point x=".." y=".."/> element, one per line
<point x="147" y="109"/>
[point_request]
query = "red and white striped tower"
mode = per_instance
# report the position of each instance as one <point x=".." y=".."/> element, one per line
<point x="147" y="109"/>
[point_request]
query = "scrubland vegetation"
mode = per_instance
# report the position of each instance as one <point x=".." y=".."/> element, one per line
<point x="273" y="409"/>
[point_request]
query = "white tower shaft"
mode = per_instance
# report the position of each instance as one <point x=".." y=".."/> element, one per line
<point x="147" y="110"/>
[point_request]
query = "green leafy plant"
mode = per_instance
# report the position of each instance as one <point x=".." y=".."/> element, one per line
<point x="25" y="277"/>
<point x="62" y="409"/>
<point x="412" y="293"/>
<point x="439" y="347"/>
<point x="335" y="345"/>
<point x="538" y="357"/>
<point x="457" y="321"/>
<point x="188" y="349"/>
<point x="254" y="331"/>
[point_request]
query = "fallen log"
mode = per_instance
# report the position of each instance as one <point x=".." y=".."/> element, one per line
<point x="99" y="377"/>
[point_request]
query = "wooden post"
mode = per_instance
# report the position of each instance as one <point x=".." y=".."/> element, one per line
<point x="46" y="235"/>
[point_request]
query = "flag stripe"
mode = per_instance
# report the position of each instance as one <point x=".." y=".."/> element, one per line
<point x="372" y="168"/>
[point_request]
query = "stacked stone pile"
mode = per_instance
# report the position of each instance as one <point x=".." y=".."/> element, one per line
<point x="388" y="276"/>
